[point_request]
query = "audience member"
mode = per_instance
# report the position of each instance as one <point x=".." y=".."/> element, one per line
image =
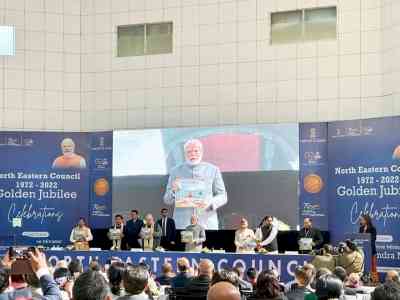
<point x="340" y="273"/>
<point x="4" y="279"/>
<point x="353" y="281"/>
<point x="352" y="260"/>
<point x="135" y="280"/>
<point x="320" y="272"/>
<point x="328" y="287"/>
<point x="300" y="289"/>
<point x="223" y="291"/>
<point x="95" y="265"/>
<point x="243" y="284"/>
<point x="267" y="287"/>
<point x="49" y="289"/>
<point x="152" y="287"/>
<point x="167" y="274"/>
<point x="33" y="283"/>
<point x="91" y="285"/>
<point x="63" y="278"/>
<point x="225" y="275"/>
<point x="251" y="274"/>
<point x="199" y="284"/>
<point x="183" y="277"/>
<point x="387" y="291"/>
<point x="75" y="267"/>
<point x="392" y="276"/>
<point x="324" y="258"/>
<point x="114" y="274"/>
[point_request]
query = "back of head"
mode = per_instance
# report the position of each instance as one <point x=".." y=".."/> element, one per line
<point x="75" y="266"/>
<point x="351" y="245"/>
<point x="392" y="275"/>
<point x="4" y="279"/>
<point x="239" y="270"/>
<point x="166" y="268"/>
<point x="223" y="291"/>
<point x="95" y="265"/>
<point x="206" y="267"/>
<point x="183" y="264"/>
<point x="225" y="275"/>
<point x="322" y="272"/>
<point x="310" y="269"/>
<point x="340" y="272"/>
<point x="267" y="286"/>
<point x="386" y="291"/>
<point x="328" y="287"/>
<point x="303" y="276"/>
<point x="327" y="249"/>
<point x="135" y="279"/>
<point x="90" y="285"/>
<point x="114" y="274"/>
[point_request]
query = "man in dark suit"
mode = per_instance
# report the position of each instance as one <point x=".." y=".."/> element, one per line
<point x="308" y="231"/>
<point x="168" y="230"/>
<point x="132" y="230"/>
<point x="199" y="285"/>
<point x="183" y="277"/>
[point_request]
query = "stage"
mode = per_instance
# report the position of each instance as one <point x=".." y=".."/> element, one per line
<point x="284" y="263"/>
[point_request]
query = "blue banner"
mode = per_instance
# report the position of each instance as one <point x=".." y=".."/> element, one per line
<point x="364" y="178"/>
<point x="44" y="186"/>
<point x="313" y="173"/>
<point x="285" y="264"/>
<point x="100" y="206"/>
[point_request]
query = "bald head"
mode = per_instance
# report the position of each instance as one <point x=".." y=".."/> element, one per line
<point x="206" y="267"/>
<point x="223" y="291"/>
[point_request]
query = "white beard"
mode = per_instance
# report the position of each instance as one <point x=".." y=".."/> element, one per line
<point x="194" y="162"/>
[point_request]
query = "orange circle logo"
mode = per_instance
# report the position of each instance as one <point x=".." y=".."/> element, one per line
<point x="313" y="183"/>
<point x="101" y="187"/>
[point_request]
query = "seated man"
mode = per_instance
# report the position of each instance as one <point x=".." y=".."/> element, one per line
<point x="91" y="285"/>
<point x="166" y="275"/>
<point x="183" y="277"/>
<point x="223" y="291"/>
<point x="300" y="289"/>
<point x="135" y="280"/>
<point x="199" y="284"/>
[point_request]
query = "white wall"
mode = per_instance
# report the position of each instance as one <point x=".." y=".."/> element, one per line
<point x="40" y="86"/>
<point x="223" y="69"/>
<point x="391" y="52"/>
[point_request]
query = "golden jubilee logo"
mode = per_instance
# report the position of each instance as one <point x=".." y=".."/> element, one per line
<point x="101" y="187"/>
<point x="313" y="183"/>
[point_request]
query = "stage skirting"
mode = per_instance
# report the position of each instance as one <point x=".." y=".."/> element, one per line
<point x="284" y="263"/>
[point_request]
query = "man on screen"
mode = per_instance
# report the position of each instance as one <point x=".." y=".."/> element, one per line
<point x="69" y="159"/>
<point x="195" y="188"/>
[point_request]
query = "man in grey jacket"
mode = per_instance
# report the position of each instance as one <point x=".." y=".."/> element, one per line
<point x="198" y="233"/>
<point x="207" y="182"/>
